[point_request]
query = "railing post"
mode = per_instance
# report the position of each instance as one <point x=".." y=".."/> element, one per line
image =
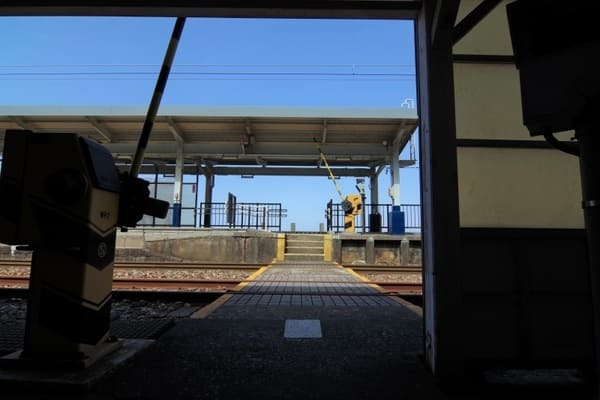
<point x="329" y="215"/>
<point x="280" y="216"/>
<point x="206" y="213"/>
<point x="257" y="214"/>
<point x="265" y="217"/>
<point x="235" y="208"/>
<point x="364" y="213"/>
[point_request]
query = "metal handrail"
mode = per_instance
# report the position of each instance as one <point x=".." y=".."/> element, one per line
<point x="334" y="215"/>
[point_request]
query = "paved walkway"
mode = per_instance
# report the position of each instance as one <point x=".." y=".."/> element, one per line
<point x="308" y="284"/>
<point x="299" y="331"/>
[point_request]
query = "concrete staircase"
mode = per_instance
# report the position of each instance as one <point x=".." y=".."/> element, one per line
<point x="304" y="247"/>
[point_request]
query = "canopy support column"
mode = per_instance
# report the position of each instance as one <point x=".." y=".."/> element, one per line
<point x="208" y="194"/>
<point x="178" y="184"/>
<point x="395" y="167"/>
<point x="374" y="186"/>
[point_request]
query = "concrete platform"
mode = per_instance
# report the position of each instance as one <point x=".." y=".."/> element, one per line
<point x="252" y="359"/>
<point x="43" y="381"/>
<point x="240" y="349"/>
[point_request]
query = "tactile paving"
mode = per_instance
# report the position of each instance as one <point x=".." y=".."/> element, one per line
<point x="315" y="284"/>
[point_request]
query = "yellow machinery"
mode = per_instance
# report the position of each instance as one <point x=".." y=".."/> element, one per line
<point x="352" y="204"/>
<point x="352" y="207"/>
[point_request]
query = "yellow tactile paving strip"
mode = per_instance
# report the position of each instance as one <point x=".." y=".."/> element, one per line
<point x="209" y="309"/>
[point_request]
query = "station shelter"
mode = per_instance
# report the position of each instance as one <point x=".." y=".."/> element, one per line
<point x="188" y="142"/>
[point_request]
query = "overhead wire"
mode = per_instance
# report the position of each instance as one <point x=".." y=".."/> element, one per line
<point x="214" y="78"/>
<point x="249" y="72"/>
<point x="203" y="73"/>
<point x="204" y="65"/>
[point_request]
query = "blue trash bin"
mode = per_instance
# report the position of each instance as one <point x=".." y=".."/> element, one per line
<point x="396" y="221"/>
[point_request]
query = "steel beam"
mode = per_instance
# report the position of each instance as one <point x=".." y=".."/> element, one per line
<point x="249" y="133"/>
<point x="175" y="130"/>
<point x="20" y="121"/>
<point x="473" y="18"/>
<point x="193" y="169"/>
<point x="226" y="9"/>
<point x="101" y="129"/>
<point x="483" y="59"/>
<point x="439" y="192"/>
<point x="290" y="171"/>
<point x="324" y="134"/>
<point x="443" y="19"/>
<point x="403" y="136"/>
<point x="364" y="152"/>
<point x="260" y="161"/>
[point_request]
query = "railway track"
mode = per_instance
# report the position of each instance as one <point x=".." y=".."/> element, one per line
<point x="401" y="269"/>
<point x="145" y="264"/>
<point x="123" y="281"/>
<point x="223" y="286"/>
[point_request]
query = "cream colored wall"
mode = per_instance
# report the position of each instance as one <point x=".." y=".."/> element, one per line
<point x="500" y="187"/>
<point x="518" y="188"/>
<point x="488" y="108"/>
<point x="491" y="36"/>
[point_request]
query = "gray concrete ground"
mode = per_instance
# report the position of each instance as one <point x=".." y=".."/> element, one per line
<point x="251" y="359"/>
<point x="239" y="351"/>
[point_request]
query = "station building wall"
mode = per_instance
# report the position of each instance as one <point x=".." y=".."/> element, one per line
<point x="523" y="263"/>
<point x="505" y="187"/>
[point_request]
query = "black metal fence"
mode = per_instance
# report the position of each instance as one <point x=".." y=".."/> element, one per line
<point x="335" y="217"/>
<point x="265" y="216"/>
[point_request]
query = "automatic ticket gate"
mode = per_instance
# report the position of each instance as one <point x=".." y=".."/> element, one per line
<point x="62" y="197"/>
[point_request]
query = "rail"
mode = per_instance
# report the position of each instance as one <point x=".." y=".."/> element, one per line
<point x="226" y="286"/>
<point x="167" y="276"/>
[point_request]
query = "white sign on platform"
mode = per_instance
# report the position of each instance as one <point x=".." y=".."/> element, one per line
<point x="302" y="328"/>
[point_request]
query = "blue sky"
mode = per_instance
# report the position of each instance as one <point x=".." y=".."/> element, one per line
<point x="237" y="62"/>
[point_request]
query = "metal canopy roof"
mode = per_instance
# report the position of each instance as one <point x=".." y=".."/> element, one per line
<point x="236" y="140"/>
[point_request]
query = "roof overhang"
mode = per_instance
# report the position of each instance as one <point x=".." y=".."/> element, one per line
<point x="260" y="137"/>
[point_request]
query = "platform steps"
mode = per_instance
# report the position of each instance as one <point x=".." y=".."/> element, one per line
<point x="304" y="247"/>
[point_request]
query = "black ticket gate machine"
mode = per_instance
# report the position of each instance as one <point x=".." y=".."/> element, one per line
<point x="60" y="197"/>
